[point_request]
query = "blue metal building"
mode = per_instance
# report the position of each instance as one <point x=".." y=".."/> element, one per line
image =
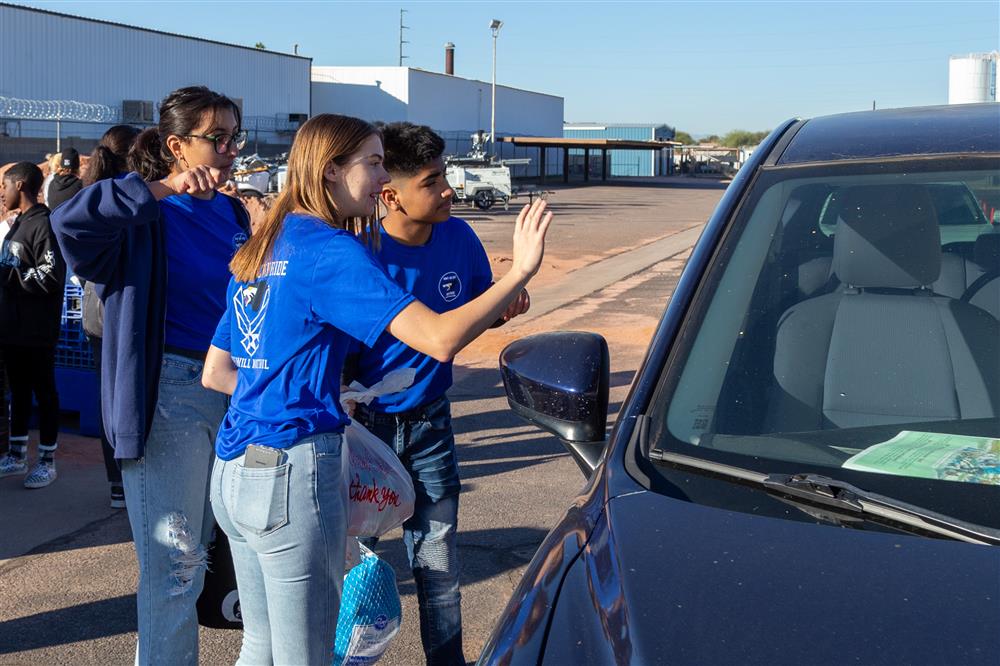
<point x="626" y="162"/>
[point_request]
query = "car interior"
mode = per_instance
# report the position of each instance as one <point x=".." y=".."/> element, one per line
<point x="848" y="306"/>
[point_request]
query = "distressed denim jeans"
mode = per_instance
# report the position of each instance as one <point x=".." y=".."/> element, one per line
<point x="166" y="492"/>
<point x="424" y="441"/>
<point x="287" y="528"/>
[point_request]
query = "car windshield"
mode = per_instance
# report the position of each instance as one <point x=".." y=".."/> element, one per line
<point x="848" y="326"/>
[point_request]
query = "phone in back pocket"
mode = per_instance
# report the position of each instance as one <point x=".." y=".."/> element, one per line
<point x="262" y="456"/>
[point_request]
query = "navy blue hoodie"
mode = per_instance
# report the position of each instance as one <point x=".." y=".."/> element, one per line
<point x="111" y="233"/>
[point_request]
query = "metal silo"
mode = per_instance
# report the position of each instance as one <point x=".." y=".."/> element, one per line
<point x="972" y="78"/>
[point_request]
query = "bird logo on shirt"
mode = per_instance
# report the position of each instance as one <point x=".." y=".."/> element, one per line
<point x="450" y="286"/>
<point x="250" y="305"/>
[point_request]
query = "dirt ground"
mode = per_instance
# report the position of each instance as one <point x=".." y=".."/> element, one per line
<point x="590" y="224"/>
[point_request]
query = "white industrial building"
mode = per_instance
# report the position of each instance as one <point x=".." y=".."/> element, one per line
<point x="973" y="79"/>
<point x="76" y="76"/>
<point x="68" y="78"/>
<point x="454" y="106"/>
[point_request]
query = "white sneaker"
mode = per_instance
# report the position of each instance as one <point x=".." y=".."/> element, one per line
<point x="117" y="496"/>
<point x="10" y="465"/>
<point x="42" y="475"/>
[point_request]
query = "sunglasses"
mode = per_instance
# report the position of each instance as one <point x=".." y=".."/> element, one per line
<point x="223" y="142"/>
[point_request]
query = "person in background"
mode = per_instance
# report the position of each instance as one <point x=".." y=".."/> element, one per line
<point x="6" y="220"/>
<point x="66" y="182"/>
<point x="303" y="287"/>
<point x="109" y="159"/>
<point x="440" y="260"/>
<point x="51" y="165"/>
<point x="157" y="244"/>
<point x="32" y="279"/>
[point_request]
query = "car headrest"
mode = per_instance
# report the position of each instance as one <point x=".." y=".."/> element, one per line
<point x="986" y="251"/>
<point x="887" y="236"/>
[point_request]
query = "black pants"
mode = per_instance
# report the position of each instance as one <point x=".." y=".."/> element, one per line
<point x="32" y="370"/>
<point x="110" y="464"/>
<point x="4" y="414"/>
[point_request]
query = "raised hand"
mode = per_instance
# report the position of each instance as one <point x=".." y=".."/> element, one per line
<point x="529" y="237"/>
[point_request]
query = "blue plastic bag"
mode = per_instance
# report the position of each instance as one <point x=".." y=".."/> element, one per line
<point x="370" y="612"/>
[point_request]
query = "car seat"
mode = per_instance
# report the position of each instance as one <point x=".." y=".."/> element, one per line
<point x="984" y="291"/>
<point x="884" y="348"/>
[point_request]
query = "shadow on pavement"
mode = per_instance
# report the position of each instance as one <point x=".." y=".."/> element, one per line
<point x="483" y="554"/>
<point x="83" y="622"/>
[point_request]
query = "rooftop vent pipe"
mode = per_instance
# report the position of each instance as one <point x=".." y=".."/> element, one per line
<point x="449" y="59"/>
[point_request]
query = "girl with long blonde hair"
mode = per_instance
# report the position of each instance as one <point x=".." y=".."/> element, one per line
<point x="304" y="286"/>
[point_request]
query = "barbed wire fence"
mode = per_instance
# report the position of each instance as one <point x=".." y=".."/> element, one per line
<point x="57" y="111"/>
<point x="33" y="118"/>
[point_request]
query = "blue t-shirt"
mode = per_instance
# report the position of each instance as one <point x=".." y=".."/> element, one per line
<point x="289" y="331"/>
<point x="202" y="236"/>
<point x="446" y="272"/>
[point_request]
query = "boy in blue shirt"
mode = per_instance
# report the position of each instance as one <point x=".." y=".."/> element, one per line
<point x="440" y="260"/>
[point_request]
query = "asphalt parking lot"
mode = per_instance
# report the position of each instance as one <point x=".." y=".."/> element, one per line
<point x="67" y="568"/>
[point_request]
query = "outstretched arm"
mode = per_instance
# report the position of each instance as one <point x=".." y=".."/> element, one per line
<point x="441" y="336"/>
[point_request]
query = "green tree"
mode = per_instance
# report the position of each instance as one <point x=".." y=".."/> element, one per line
<point x="738" y="138"/>
<point x="259" y="45"/>
<point x="711" y="138"/>
<point x="684" y="138"/>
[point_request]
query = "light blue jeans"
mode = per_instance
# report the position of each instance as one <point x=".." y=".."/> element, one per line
<point x="166" y="492"/>
<point x="287" y="528"/>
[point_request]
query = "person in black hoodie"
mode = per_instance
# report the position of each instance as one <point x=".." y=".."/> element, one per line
<point x="32" y="279"/>
<point x="67" y="179"/>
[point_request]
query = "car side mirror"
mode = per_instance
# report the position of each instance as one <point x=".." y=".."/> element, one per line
<point x="559" y="382"/>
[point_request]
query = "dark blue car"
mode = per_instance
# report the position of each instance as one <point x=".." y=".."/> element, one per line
<point x="806" y="468"/>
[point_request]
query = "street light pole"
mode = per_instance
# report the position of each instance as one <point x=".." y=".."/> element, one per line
<point x="495" y="26"/>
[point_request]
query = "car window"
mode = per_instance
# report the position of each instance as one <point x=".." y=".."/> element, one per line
<point x="955" y="204"/>
<point x="835" y="330"/>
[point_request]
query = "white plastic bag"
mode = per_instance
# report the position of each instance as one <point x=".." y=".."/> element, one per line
<point x="380" y="493"/>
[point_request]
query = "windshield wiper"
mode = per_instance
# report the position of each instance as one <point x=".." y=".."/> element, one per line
<point x="839" y="498"/>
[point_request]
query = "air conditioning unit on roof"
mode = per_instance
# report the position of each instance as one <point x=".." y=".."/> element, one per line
<point x="289" y="122"/>
<point x="137" y="111"/>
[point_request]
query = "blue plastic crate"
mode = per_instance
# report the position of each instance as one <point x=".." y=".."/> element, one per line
<point x="78" y="393"/>
<point x="72" y="302"/>
<point x="73" y="348"/>
<point x="76" y="379"/>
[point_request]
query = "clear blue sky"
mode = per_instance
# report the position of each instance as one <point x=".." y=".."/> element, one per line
<point x="703" y="67"/>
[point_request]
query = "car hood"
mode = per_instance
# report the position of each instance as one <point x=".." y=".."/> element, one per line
<point x="663" y="580"/>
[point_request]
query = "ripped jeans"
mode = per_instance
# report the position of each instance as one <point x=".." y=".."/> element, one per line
<point x="166" y="492"/>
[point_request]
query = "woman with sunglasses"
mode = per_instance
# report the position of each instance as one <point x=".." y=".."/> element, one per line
<point x="157" y="243"/>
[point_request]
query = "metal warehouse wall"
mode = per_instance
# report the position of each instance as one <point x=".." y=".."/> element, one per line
<point x="353" y="91"/>
<point x="446" y="103"/>
<point x="53" y="57"/>
<point x="454" y="103"/>
<point x="625" y="162"/>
